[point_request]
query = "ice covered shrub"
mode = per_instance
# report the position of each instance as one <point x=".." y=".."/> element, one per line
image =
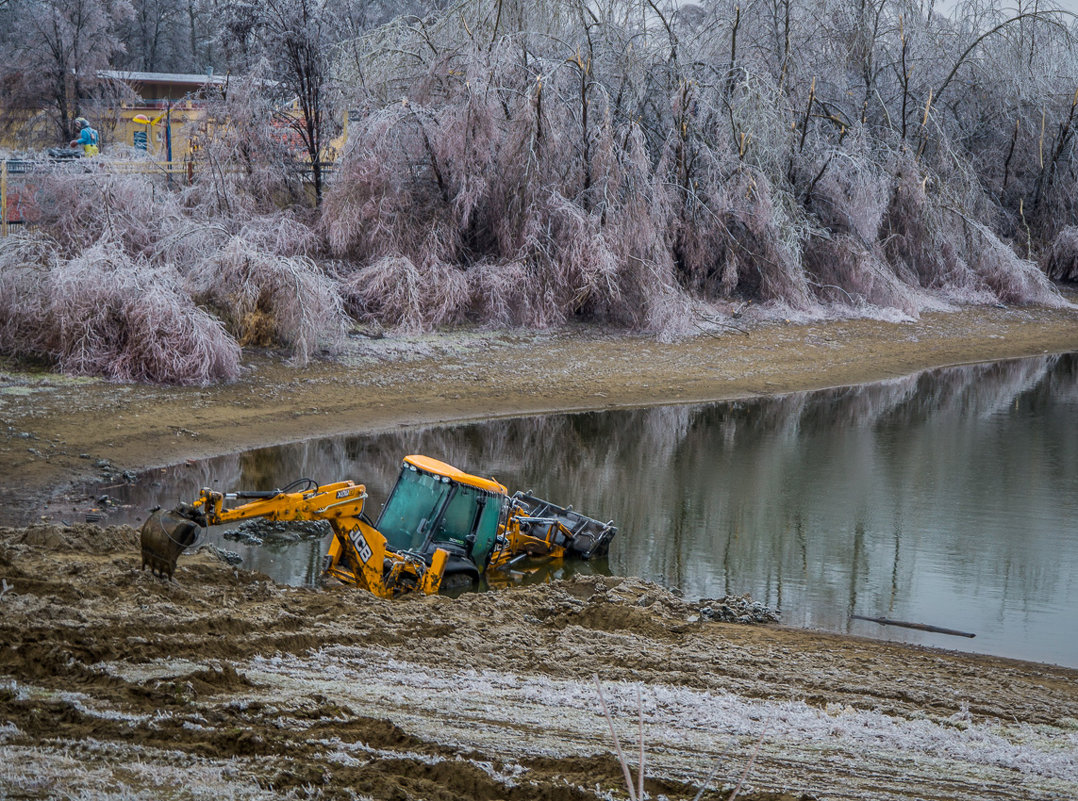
<point x="25" y="263"/>
<point x="106" y="313"/>
<point x="732" y="227"/>
<point x="511" y="168"/>
<point x="246" y="160"/>
<point x="256" y="271"/>
<point x="936" y="239"/>
<point x="386" y="216"/>
<point x="1009" y="277"/>
<point x="849" y="191"/>
<point x="267" y="298"/>
<point x="732" y="240"/>
<point x="597" y="248"/>
<point x="395" y="290"/>
<point x="465" y="201"/>
<point x="386" y="199"/>
<point x="572" y="264"/>
<point x="1060" y="260"/>
<point x="843" y="258"/>
<point x="923" y="245"/>
<point x="79" y="208"/>
<point x="845" y="271"/>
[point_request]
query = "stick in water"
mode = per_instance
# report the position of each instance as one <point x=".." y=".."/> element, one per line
<point x="919" y="626"/>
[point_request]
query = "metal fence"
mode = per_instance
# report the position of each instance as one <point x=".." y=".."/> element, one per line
<point x="18" y="196"/>
<point x="18" y="202"/>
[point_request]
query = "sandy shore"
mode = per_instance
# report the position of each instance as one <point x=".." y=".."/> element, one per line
<point x="55" y="428"/>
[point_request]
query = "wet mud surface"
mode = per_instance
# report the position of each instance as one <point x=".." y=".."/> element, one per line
<point x="116" y="684"/>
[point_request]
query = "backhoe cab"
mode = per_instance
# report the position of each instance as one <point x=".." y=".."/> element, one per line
<point x="435" y="507"/>
<point x="440" y="528"/>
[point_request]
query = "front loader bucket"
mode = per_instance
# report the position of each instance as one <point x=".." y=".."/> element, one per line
<point x="581" y="536"/>
<point x="164" y="537"/>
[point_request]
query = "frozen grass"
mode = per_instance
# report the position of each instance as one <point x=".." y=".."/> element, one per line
<point x="524" y="716"/>
<point x="106" y="772"/>
<point x="563" y="718"/>
<point x="358" y="753"/>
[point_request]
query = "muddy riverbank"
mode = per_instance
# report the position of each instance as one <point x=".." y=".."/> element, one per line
<point x="57" y="429"/>
<point x="115" y="684"/>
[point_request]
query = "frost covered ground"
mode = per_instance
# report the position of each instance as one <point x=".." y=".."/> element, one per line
<point x="114" y="684"/>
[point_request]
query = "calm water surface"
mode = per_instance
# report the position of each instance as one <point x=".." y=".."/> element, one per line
<point x="948" y="498"/>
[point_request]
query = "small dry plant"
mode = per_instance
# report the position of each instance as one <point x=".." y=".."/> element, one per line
<point x="636" y="792"/>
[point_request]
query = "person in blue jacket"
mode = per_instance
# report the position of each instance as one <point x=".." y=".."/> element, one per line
<point x="87" y="138"/>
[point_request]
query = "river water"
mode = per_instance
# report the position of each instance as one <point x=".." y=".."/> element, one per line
<point x="947" y="498"/>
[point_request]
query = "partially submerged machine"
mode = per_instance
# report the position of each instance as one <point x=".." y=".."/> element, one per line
<point x="440" y="528"/>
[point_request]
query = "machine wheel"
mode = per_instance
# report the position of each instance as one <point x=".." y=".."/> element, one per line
<point x="457" y="582"/>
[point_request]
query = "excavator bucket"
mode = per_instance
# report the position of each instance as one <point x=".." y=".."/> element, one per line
<point x="539" y="528"/>
<point x="164" y="537"/>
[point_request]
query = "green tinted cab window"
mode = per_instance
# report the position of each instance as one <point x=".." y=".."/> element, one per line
<point x="407" y="514"/>
<point x="471" y="510"/>
<point x="456" y="523"/>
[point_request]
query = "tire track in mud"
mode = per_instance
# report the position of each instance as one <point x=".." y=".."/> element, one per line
<point x="115" y="682"/>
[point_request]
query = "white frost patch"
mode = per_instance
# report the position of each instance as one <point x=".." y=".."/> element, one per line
<point x="86" y="705"/>
<point x="510" y="777"/>
<point x="105" y="771"/>
<point x="804" y="724"/>
<point x="15" y="690"/>
<point x="516" y="716"/>
<point x="342" y="753"/>
<point x="78" y="702"/>
<point x="154" y="669"/>
<point x="7" y="731"/>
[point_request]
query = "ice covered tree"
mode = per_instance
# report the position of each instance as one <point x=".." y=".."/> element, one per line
<point x="298" y="39"/>
<point x="53" y="52"/>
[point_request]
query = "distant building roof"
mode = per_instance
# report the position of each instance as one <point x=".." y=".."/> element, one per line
<point x="174" y="78"/>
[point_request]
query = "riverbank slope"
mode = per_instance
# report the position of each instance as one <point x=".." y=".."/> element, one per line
<point x="115" y="684"/>
<point x="56" y="429"/>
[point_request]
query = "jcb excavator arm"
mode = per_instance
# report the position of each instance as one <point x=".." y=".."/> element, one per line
<point x="341" y="500"/>
<point x="357" y="555"/>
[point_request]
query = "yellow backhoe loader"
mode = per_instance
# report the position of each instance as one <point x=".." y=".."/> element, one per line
<point x="440" y="528"/>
